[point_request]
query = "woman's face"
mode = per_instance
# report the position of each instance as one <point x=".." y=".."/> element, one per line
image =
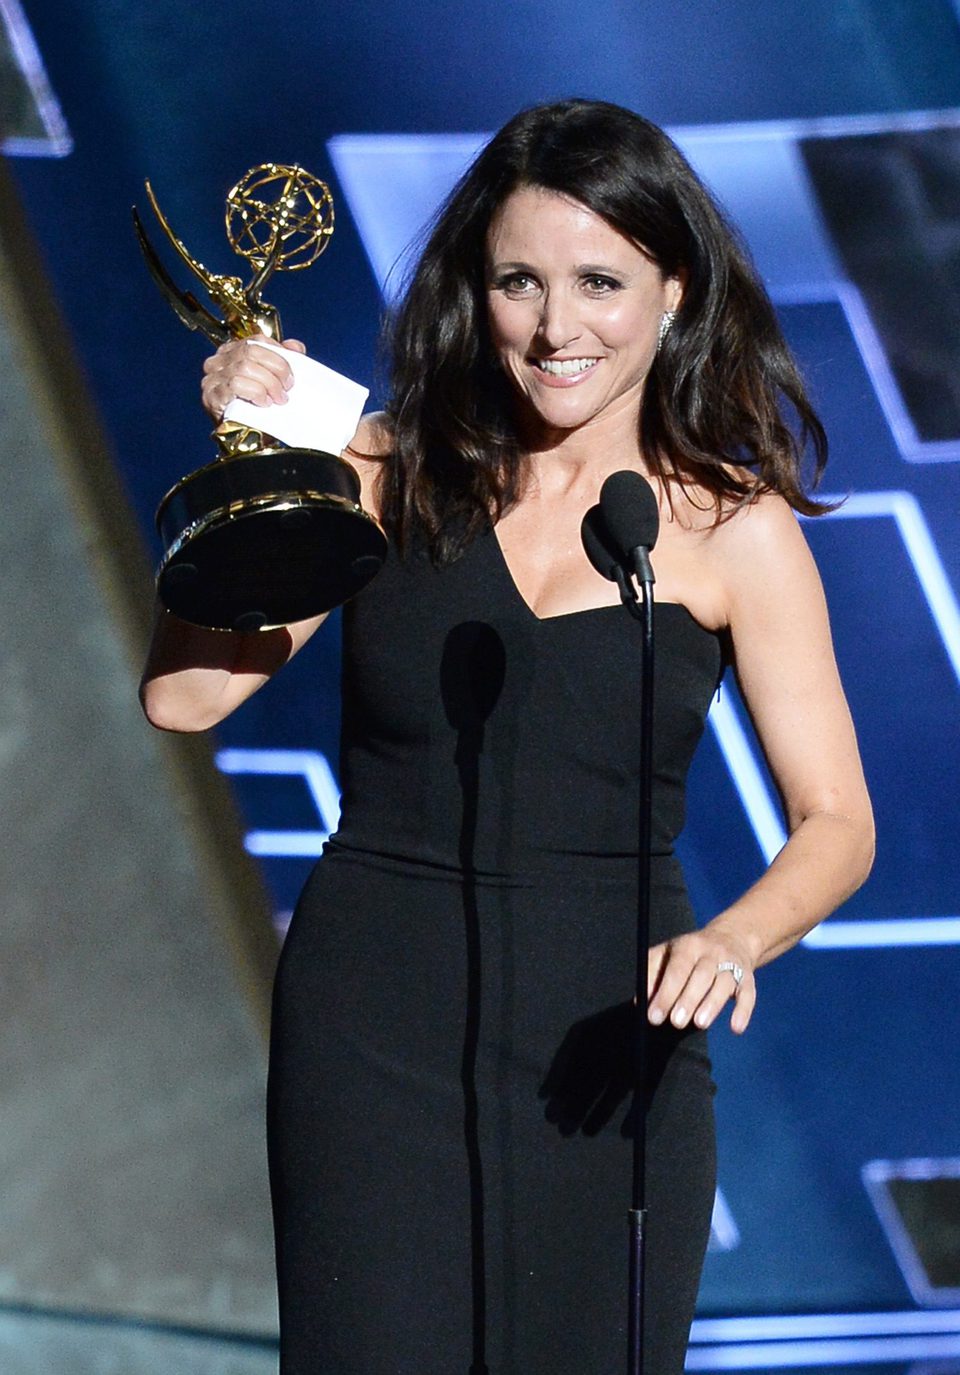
<point x="574" y="309"/>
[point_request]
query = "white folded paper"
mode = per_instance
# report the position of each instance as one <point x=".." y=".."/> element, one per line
<point x="322" y="411"/>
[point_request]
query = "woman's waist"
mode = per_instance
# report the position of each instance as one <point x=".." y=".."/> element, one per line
<point x="504" y="829"/>
<point x="524" y="866"/>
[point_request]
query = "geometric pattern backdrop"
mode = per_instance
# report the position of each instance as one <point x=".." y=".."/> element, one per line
<point x="832" y="135"/>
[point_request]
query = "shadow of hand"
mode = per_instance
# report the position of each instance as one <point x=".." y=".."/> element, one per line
<point x="591" y="1074"/>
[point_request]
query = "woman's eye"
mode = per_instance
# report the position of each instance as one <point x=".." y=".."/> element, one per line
<point x="599" y="285"/>
<point x="517" y="284"/>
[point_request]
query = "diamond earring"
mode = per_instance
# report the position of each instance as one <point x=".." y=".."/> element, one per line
<point x="666" y="320"/>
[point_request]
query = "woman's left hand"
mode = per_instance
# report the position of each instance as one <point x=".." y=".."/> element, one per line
<point x="688" y="983"/>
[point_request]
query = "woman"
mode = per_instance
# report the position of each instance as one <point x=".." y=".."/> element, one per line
<point x="449" y="1123"/>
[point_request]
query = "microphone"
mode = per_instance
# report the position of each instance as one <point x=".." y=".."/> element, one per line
<point x="597" y="544"/>
<point x="601" y="553"/>
<point x="632" y="520"/>
<point x="618" y="534"/>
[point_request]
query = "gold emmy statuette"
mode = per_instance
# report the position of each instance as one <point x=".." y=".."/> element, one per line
<point x="265" y="534"/>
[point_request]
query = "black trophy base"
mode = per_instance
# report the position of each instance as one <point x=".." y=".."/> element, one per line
<point x="247" y="555"/>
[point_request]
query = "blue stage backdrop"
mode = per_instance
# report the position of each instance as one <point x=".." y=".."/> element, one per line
<point x="832" y="135"/>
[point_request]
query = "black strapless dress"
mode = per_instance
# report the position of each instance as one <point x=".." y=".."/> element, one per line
<point x="449" y="1104"/>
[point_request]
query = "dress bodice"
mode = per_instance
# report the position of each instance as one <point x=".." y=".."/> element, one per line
<point x="476" y="734"/>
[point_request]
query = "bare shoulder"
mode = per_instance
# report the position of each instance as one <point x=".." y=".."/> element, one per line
<point x="764" y="561"/>
<point x="717" y="567"/>
<point x="765" y="527"/>
<point x="368" y="450"/>
<point x="373" y="441"/>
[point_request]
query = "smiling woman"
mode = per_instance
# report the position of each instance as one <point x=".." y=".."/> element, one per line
<point x="725" y="408"/>
<point x="451" y="1056"/>
<point x="574" y="310"/>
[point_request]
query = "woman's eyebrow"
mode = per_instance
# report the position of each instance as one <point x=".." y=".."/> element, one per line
<point x="601" y="269"/>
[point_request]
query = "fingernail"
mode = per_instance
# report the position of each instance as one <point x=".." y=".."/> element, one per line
<point x="656" y="1016"/>
<point x="679" y="1016"/>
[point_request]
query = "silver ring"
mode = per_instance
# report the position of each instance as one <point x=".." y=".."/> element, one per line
<point x="728" y="967"/>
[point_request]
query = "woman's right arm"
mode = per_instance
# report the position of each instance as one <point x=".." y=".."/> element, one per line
<point x="195" y="677"/>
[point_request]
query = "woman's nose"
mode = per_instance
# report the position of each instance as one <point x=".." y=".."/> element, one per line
<point x="558" y="325"/>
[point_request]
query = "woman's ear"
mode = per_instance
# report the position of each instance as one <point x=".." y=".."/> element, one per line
<point x="676" y="288"/>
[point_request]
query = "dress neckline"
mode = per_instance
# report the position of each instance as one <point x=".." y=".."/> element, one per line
<point x="561" y="616"/>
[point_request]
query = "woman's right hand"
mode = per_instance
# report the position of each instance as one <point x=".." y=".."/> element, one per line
<point x="241" y="370"/>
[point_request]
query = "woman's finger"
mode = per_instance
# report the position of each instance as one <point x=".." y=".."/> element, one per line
<point x="674" y="971"/>
<point x="700" y="983"/>
<point x="746" y="1002"/>
<point x="657" y="957"/>
<point x="253" y="388"/>
<point x="240" y="352"/>
<point x="241" y="370"/>
<point x="264" y="366"/>
<point x="721" y="989"/>
<point x="723" y="986"/>
<point x="690" y="980"/>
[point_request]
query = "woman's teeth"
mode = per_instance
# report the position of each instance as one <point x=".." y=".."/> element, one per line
<point x="565" y="367"/>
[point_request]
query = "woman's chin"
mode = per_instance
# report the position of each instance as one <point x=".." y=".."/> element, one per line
<point x="561" y="410"/>
<point x="553" y="422"/>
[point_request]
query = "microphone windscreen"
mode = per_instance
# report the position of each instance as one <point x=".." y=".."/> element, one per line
<point x="596" y="543"/>
<point x="630" y="513"/>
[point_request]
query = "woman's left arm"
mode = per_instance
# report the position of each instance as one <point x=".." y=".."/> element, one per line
<point x="785" y="666"/>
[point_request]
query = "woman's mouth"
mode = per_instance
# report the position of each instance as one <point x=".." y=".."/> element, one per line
<point x="564" y="371"/>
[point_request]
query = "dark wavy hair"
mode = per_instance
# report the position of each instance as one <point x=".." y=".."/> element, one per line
<point x="717" y="398"/>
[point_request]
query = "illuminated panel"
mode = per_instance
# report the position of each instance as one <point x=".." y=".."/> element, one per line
<point x="313" y="768"/>
<point x="819" y="1326"/>
<point x="822" y="1354"/>
<point x="28" y="106"/>
<point x="747" y="165"/>
<point x="412" y="174"/>
<point x="724" y="1232"/>
<point x="780" y="1342"/>
<point x="885" y="386"/>
<point x="917" y="1202"/>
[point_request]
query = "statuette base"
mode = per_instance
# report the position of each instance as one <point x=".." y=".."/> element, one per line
<point x="264" y="540"/>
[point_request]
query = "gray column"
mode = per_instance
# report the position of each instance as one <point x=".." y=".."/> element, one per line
<point x="135" y="945"/>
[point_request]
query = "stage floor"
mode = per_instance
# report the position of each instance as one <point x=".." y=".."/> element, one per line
<point x="40" y="1344"/>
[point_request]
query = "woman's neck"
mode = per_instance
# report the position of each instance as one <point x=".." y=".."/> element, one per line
<point x="559" y="461"/>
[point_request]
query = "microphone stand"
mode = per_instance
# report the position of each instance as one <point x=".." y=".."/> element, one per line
<point x="642" y="611"/>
